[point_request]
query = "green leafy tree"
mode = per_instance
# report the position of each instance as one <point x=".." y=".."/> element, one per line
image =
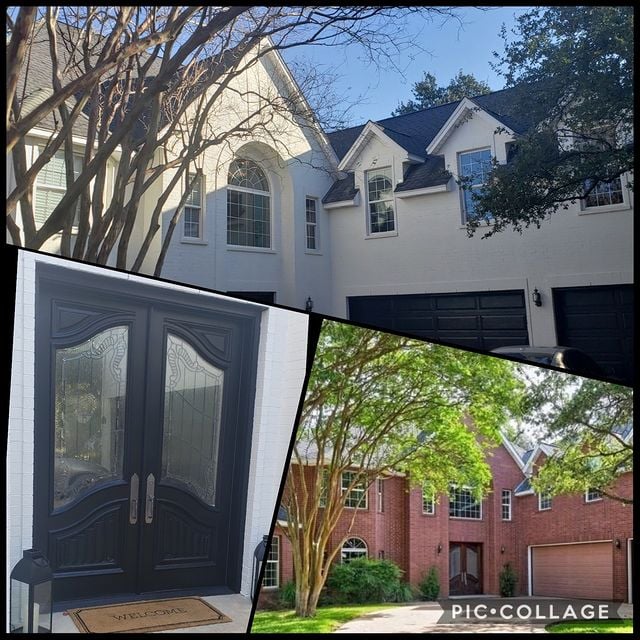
<point x="574" y="69"/>
<point x="427" y="93"/>
<point x="589" y="423"/>
<point x="377" y="403"/>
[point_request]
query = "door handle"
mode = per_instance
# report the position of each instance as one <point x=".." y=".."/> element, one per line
<point x="151" y="493"/>
<point x="133" y="499"/>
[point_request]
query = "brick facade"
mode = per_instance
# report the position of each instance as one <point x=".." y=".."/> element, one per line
<point x="403" y="533"/>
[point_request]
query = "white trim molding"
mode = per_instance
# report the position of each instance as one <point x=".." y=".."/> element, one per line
<point x="410" y="193"/>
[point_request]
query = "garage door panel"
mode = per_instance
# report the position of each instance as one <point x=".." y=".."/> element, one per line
<point x="498" y="323"/>
<point x="573" y="571"/>
<point x="502" y="301"/>
<point x="480" y="320"/>
<point x="452" y="323"/>
<point x="598" y="320"/>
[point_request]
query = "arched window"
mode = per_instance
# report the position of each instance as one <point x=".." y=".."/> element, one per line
<point x="248" y="205"/>
<point x="353" y="548"/>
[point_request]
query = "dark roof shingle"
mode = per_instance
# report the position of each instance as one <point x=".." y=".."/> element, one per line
<point x="341" y="190"/>
<point x="430" y="173"/>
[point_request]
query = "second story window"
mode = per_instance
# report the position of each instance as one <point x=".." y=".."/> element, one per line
<point x="475" y="166"/>
<point x="428" y="503"/>
<point x="311" y="213"/>
<point x="193" y="208"/>
<point x="506" y="504"/>
<point x="357" y="496"/>
<point x="544" y="501"/>
<point x="51" y="185"/>
<point x="248" y="206"/>
<point x="463" y="504"/>
<point x="380" y="487"/>
<point x="592" y="495"/>
<point x="604" y="194"/>
<point x="381" y="218"/>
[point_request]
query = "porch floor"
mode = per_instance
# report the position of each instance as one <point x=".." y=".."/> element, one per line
<point x="237" y="607"/>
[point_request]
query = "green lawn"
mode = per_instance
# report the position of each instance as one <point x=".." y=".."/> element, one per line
<point x="326" y="620"/>
<point x="592" y="626"/>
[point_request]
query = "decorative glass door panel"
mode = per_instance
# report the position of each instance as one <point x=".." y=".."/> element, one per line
<point x="192" y="411"/>
<point x="143" y="417"/>
<point x="90" y="389"/>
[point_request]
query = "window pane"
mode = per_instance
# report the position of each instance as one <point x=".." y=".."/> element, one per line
<point x="246" y="173"/>
<point x="248" y="219"/>
<point x="192" y="413"/>
<point x="381" y="216"/>
<point x="90" y="388"/>
<point x="462" y="504"/>
<point x="195" y="197"/>
<point x="380" y="185"/>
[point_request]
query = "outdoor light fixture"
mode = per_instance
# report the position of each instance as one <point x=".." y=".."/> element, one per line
<point x="439" y="547"/>
<point x="30" y="607"/>
<point x="308" y="305"/>
<point x="258" y="560"/>
<point x="537" y="297"/>
<point x="502" y="549"/>
<point x="617" y="543"/>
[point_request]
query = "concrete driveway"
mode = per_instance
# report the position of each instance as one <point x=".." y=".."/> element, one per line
<point x="422" y="618"/>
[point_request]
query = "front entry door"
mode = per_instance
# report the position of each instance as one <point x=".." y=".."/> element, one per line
<point x="465" y="568"/>
<point x="144" y="406"/>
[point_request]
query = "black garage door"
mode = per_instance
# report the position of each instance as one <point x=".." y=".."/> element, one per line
<point x="598" y="320"/>
<point x="480" y="320"/>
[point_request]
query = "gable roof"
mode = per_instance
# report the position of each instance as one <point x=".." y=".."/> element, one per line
<point x="414" y="131"/>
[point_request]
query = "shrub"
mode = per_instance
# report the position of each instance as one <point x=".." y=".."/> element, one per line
<point x="288" y="595"/>
<point x="429" y="586"/>
<point x="402" y="592"/>
<point x="364" y="580"/>
<point x="508" y="581"/>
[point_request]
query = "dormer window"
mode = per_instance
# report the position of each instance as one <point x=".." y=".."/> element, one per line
<point x="381" y="216"/>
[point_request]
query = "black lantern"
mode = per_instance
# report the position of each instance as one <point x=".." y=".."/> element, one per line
<point x="537" y="297"/>
<point x="258" y="560"/>
<point x="31" y="608"/>
<point x="308" y="305"/>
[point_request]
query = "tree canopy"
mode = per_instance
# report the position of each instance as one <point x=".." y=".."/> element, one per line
<point x="573" y="66"/>
<point x="427" y="93"/>
<point x="590" y="423"/>
<point x="379" y="403"/>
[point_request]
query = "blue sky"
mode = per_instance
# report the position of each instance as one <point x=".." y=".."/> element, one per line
<point x="452" y="47"/>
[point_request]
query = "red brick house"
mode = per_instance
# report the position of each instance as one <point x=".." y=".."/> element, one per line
<point x="570" y="545"/>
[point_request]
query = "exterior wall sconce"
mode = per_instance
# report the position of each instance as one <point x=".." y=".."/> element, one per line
<point x="502" y="549"/>
<point x="537" y="297"/>
<point x="617" y="543"/>
<point x="308" y="305"/>
<point x="439" y="547"/>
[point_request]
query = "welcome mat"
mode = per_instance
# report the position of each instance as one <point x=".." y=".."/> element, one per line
<point x="151" y="615"/>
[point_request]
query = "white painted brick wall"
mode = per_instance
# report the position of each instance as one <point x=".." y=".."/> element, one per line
<point x="281" y="368"/>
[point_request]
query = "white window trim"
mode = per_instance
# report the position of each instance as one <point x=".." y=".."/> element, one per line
<point x="540" y="507"/>
<point x="463" y="208"/>
<point x="354" y="552"/>
<point x="199" y="239"/>
<point x="364" y="505"/>
<point x="586" y="497"/>
<point x="466" y="517"/>
<point x="380" y="495"/>
<point x="380" y="234"/>
<point x="502" y="504"/>
<point x="625" y="205"/>
<point x="275" y="539"/>
<point x="243" y="247"/>
<point x="431" y="501"/>
<point x="316" y="224"/>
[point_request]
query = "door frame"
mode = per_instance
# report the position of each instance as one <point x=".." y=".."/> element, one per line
<point x="479" y="546"/>
<point x="51" y="283"/>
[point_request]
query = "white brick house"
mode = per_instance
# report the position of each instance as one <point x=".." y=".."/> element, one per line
<point x="303" y="230"/>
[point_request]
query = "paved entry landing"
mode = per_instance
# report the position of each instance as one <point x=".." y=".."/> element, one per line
<point x="422" y="618"/>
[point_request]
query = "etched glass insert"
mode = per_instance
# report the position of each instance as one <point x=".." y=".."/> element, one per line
<point x="192" y="410"/>
<point x="90" y="387"/>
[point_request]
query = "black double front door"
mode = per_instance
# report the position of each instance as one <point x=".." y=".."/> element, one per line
<point x="144" y="406"/>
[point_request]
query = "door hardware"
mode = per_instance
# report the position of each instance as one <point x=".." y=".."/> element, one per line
<point x="151" y="491"/>
<point x="133" y="499"/>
